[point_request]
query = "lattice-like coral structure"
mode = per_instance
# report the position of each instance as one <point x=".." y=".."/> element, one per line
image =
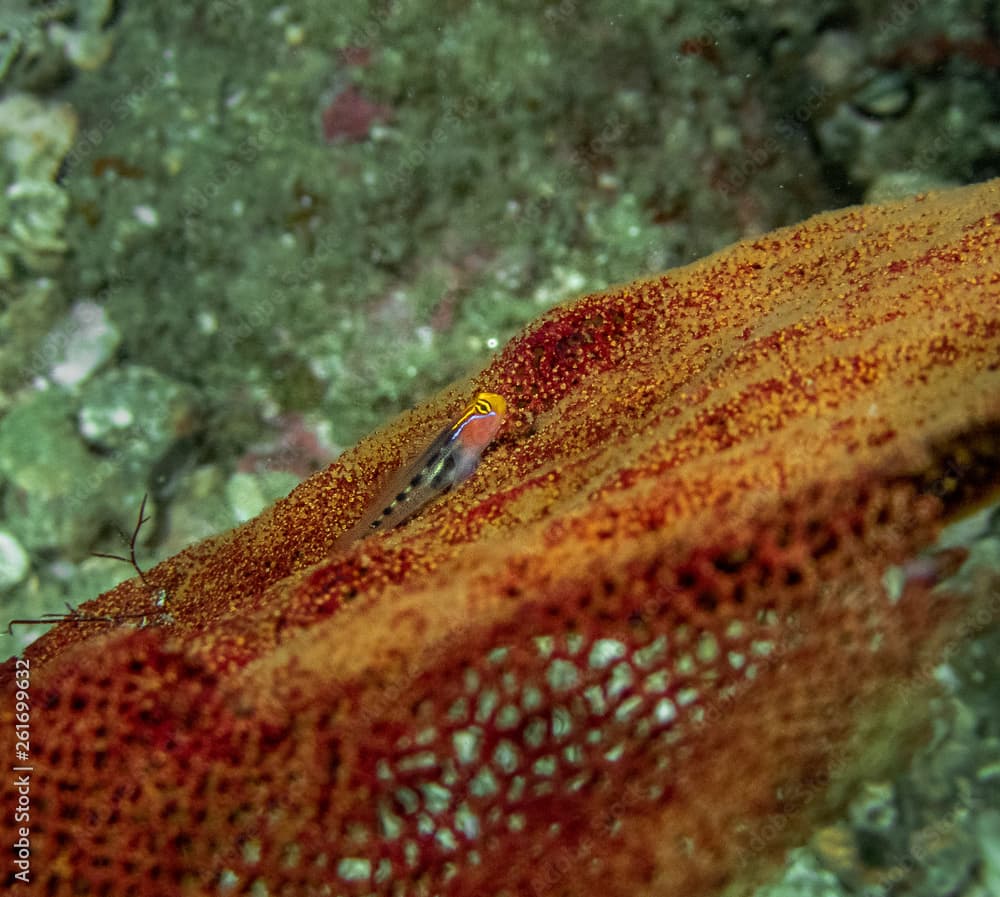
<point x="641" y="650"/>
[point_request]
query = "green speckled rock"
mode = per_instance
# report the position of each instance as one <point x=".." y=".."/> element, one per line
<point x="40" y="451"/>
<point x="59" y="492"/>
<point x="136" y="409"/>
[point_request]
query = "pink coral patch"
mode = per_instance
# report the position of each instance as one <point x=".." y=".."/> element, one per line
<point x="350" y="115"/>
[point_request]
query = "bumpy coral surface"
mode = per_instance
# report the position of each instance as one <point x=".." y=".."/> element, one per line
<point x="641" y="649"/>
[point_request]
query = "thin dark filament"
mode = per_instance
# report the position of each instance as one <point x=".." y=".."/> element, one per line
<point x="131" y="543"/>
<point x="73" y="615"/>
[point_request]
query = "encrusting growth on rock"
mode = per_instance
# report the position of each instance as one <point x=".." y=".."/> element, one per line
<point x="645" y="647"/>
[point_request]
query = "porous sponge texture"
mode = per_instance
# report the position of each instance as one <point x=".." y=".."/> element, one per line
<point x="630" y="656"/>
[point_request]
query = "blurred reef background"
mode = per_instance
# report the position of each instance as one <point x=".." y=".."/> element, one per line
<point x="236" y="236"/>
